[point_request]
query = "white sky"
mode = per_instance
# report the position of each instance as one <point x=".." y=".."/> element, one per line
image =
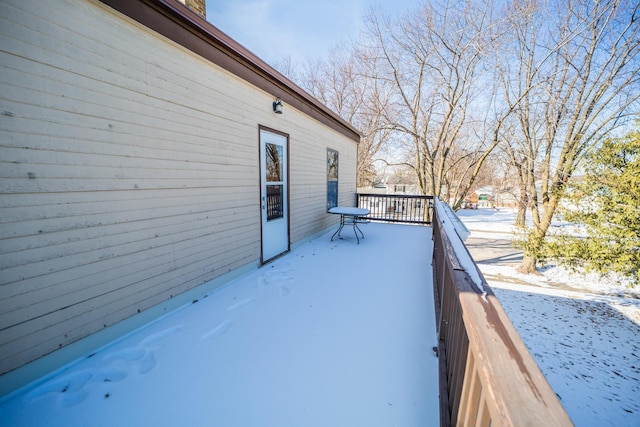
<point x="277" y="29"/>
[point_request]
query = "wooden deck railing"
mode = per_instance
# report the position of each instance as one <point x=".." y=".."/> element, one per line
<point x="487" y="375"/>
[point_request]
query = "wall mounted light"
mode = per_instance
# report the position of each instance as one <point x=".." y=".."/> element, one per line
<point x="277" y="106"/>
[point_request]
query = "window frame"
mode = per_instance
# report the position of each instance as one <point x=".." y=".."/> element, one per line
<point x="333" y="173"/>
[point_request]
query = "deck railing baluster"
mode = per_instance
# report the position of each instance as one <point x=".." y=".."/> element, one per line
<point x="406" y="209"/>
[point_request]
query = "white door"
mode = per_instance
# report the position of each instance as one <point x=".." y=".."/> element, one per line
<point x="274" y="194"/>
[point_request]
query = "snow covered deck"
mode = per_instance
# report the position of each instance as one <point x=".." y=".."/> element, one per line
<point x="332" y="334"/>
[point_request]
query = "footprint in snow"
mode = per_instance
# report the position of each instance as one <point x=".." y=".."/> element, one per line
<point x="155" y="337"/>
<point x="109" y="376"/>
<point x="142" y="359"/>
<point x="68" y="390"/>
<point x="147" y="363"/>
<point x="241" y="303"/>
<point x="219" y="330"/>
<point x="127" y="354"/>
<point x="275" y="277"/>
<point x="284" y="290"/>
<point x="279" y="278"/>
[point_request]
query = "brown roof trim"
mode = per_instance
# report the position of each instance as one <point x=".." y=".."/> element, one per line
<point x="177" y="22"/>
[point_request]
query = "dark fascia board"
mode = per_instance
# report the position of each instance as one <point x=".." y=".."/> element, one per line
<point x="180" y="24"/>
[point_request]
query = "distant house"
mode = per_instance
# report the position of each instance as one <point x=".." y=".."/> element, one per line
<point x="471" y="202"/>
<point x="143" y="165"/>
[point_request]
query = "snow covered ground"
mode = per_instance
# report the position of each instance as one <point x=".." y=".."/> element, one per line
<point x="337" y="334"/>
<point x="332" y="334"/>
<point x="582" y="330"/>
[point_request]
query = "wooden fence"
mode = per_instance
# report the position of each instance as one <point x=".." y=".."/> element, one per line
<point x="487" y="375"/>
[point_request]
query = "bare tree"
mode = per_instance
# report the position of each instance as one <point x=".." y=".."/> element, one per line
<point x="287" y="68"/>
<point x="433" y="58"/>
<point x="569" y="73"/>
<point x="579" y="65"/>
<point x="340" y="81"/>
<point x="520" y="63"/>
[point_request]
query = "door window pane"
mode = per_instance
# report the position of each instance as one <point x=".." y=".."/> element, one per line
<point x="274" y="162"/>
<point x="274" y="202"/>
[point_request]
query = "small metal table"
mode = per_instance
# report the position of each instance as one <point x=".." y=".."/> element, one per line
<point x="349" y="215"/>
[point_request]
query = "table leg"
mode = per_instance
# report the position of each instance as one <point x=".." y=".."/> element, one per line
<point x="355" y="227"/>
<point x="339" y="228"/>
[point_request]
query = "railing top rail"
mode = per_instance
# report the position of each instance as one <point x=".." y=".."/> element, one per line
<point x="407" y="196"/>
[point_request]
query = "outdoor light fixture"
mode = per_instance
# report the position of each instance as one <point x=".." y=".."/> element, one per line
<point x="277" y="106"/>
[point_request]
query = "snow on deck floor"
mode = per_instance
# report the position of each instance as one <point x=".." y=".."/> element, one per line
<point x="332" y="334"/>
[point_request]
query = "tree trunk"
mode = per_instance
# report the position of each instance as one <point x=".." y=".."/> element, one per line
<point x="523" y="196"/>
<point x="521" y="217"/>
<point x="528" y="265"/>
<point x="532" y="251"/>
<point x="534" y="245"/>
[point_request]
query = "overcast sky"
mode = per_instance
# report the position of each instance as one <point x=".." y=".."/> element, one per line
<point x="277" y="29"/>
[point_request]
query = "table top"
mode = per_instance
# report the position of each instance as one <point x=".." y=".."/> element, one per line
<point x="345" y="210"/>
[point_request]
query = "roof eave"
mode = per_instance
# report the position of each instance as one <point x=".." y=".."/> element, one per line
<point x="177" y="22"/>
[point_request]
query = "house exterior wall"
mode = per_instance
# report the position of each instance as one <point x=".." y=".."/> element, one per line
<point x="129" y="173"/>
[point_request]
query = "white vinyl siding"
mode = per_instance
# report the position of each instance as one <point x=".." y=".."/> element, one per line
<point x="309" y="179"/>
<point x="128" y="172"/>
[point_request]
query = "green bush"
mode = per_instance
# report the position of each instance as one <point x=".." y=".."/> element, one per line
<point x="606" y="204"/>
